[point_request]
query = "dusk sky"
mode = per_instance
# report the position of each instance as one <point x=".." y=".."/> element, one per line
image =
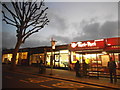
<point x="70" y="22"/>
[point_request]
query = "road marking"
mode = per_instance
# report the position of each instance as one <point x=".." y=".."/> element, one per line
<point x="45" y="86"/>
<point x="67" y="85"/>
<point x="34" y="80"/>
<point x="49" y="77"/>
<point x="24" y="81"/>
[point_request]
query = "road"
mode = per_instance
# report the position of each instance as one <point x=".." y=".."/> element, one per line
<point x="22" y="80"/>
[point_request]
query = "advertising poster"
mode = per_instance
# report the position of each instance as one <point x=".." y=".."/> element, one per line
<point x="105" y="60"/>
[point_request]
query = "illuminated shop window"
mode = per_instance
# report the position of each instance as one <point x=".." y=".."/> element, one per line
<point x="22" y="55"/>
<point x="6" y="58"/>
<point x="116" y="55"/>
<point x="48" y="58"/>
<point x="64" y="58"/>
<point x="64" y="51"/>
<point x="49" y="53"/>
<point x="117" y="59"/>
<point x="105" y="59"/>
<point x="35" y="58"/>
<point x="73" y="57"/>
<point x="61" y="57"/>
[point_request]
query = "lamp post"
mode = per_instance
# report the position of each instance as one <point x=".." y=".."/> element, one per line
<point x="53" y="43"/>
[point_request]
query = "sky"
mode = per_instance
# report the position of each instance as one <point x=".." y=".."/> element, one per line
<point x="70" y="22"/>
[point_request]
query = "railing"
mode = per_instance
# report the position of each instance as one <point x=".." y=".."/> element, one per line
<point x="101" y="72"/>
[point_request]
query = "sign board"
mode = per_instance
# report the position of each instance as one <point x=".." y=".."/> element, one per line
<point x="113" y="41"/>
<point x="91" y="44"/>
<point x="105" y="59"/>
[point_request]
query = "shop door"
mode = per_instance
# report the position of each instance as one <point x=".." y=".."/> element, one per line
<point x="56" y="60"/>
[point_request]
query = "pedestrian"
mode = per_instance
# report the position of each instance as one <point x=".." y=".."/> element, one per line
<point x="112" y="70"/>
<point x="41" y="67"/>
<point x="44" y="68"/>
<point x="84" y="66"/>
<point x="37" y="63"/>
<point x="77" y="69"/>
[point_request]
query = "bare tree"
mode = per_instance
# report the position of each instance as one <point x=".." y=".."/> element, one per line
<point x="27" y="17"/>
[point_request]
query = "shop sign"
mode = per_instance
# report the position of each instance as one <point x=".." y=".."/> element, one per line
<point x="88" y="44"/>
<point x="113" y="48"/>
<point x="113" y="41"/>
<point x="85" y="44"/>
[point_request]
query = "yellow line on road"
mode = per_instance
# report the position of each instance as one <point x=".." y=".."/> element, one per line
<point x="45" y="86"/>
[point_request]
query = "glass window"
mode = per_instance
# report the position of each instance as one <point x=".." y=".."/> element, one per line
<point x="64" y="60"/>
<point x="35" y="58"/>
<point x="22" y="55"/>
<point x="6" y="58"/>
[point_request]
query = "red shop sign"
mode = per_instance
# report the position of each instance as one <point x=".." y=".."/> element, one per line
<point x="113" y="41"/>
<point x="91" y="44"/>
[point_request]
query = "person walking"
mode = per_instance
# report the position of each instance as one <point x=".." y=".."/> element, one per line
<point x="112" y="70"/>
<point x="77" y="69"/>
<point x="84" y="64"/>
<point x="41" y="67"/>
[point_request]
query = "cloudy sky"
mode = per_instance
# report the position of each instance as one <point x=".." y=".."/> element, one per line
<point x="70" y="22"/>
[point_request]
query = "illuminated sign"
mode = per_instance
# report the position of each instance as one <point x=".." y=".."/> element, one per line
<point x="107" y="44"/>
<point x="80" y="44"/>
<point x="96" y="44"/>
<point x="113" y="41"/>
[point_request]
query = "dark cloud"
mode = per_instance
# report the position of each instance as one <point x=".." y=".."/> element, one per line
<point x="95" y="31"/>
<point x="57" y="22"/>
<point x="61" y="39"/>
<point x="35" y="43"/>
<point x="8" y="40"/>
<point x="66" y="25"/>
<point x="109" y="29"/>
<point x="91" y="30"/>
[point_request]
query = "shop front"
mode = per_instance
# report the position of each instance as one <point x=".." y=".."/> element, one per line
<point x="91" y="51"/>
<point x="61" y="58"/>
<point x="21" y="58"/>
<point x="113" y="48"/>
<point x="96" y="53"/>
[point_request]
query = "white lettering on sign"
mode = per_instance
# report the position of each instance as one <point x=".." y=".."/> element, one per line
<point x="80" y="44"/>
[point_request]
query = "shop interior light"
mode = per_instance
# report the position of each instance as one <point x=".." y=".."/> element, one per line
<point x="108" y="44"/>
<point x="104" y="52"/>
<point x="64" y="51"/>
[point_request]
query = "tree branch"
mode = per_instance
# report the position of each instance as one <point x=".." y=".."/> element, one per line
<point x="9" y="23"/>
<point x="7" y="18"/>
<point x="9" y="10"/>
<point x="26" y="15"/>
<point x="35" y="20"/>
<point x="16" y="11"/>
<point x="30" y="34"/>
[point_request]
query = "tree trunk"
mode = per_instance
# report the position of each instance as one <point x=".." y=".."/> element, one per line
<point x="13" y="60"/>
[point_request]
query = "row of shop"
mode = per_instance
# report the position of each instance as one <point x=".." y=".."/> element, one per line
<point x="96" y="53"/>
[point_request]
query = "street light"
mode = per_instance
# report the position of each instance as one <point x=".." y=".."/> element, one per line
<point x="53" y="43"/>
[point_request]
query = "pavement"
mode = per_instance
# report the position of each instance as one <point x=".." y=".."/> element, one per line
<point x="67" y="75"/>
